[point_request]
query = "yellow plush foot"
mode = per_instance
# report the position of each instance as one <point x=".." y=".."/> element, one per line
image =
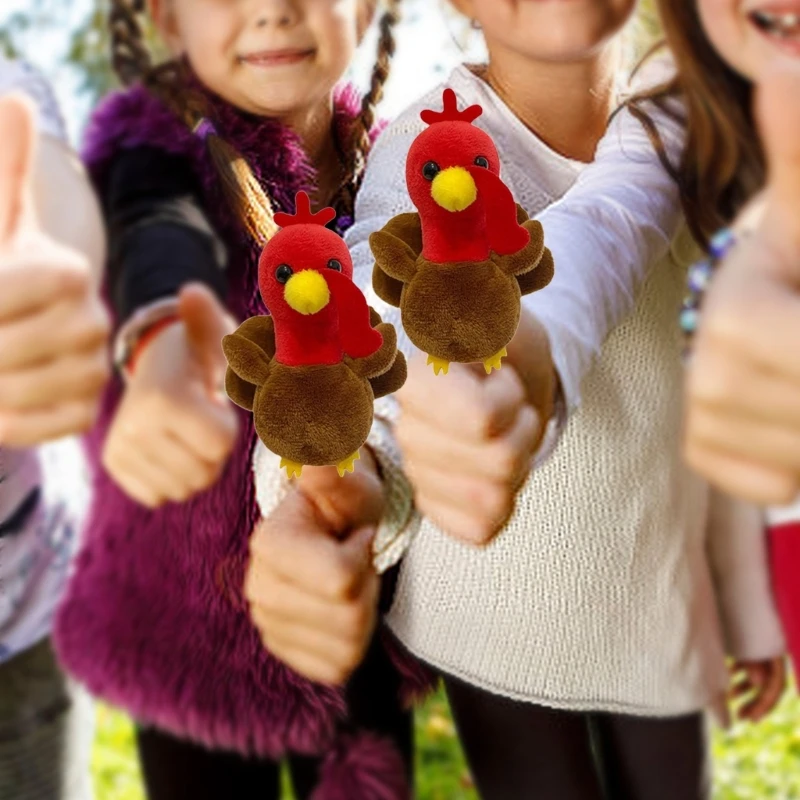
<point x="293" y="469"/>
<point x="348" y="465"/>
<point x="495" y="362"/>
<point x="439" y="364"/>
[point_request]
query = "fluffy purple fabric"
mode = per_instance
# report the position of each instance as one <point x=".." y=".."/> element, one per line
<point x="417" y="679"/>
<point x="363" y="767"/>
<point x="153" y="619"/>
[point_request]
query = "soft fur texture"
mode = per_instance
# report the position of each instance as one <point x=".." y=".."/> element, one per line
<point x="261" y="331"/>
<point x="154" y="620"/>
<point x="460" y="312"/>
<point x="315" y="415"/>
<point x="363" y="768"/>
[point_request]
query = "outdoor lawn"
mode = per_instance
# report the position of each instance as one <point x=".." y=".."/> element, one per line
<point x="751" y="763"/>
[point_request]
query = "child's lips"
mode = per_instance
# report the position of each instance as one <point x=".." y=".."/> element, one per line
<point x="779" y="22"/>
<point x="277" y="58"/>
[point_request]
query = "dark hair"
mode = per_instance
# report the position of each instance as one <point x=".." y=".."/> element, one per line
<point x="722" y="165"/>
<point x="133" y="63"/>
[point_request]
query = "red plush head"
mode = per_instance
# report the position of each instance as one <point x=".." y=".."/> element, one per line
<point x="452" y="172"/>
<point x="306" y="279"/>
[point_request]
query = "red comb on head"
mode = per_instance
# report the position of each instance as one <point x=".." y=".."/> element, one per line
<point x="451" y="112"/>
<point x="303" y="215"/>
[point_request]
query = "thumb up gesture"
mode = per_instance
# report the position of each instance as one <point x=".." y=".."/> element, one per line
<point x="743" y="426"/>
<point x="174" y="430"/>
<point x="311" y="585"/>
<point x="53" y="328"/>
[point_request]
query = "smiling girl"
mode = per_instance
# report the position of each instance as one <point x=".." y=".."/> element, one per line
<point x="732" y="54"/>
<point x="191" y="162"/>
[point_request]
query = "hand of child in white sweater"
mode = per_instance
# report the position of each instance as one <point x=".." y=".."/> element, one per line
<point x="312" y="589"/>
<point x="743" y="427"/>
<point x="761" y="682"/>
<point x="174" y="428"/>
<point x="469" y="439"/>
<point x="53" y="327"/>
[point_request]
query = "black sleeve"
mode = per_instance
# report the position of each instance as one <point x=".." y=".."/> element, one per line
<point x="159" y="237"/>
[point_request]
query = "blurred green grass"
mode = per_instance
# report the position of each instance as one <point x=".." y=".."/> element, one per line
<point x="760" y="762"/>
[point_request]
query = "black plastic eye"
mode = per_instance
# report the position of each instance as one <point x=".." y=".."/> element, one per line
<point x="431" y="170"/>
<point x="283" y="273"/>
<point x="482" y="161"/>
<point x="335" y="264"/>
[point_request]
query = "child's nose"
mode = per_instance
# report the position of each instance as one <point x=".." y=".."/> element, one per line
<point x="277" y="13"/>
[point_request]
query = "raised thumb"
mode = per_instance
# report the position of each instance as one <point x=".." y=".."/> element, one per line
<point x="778" y="114"/>
<point x="358" y="546"/>
<point x="17" y="156"/>
<point x="343" y="502"/>
<point x="206" y="322"/>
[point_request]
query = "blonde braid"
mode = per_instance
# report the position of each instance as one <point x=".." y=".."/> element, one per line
<point x="360" y="140"/>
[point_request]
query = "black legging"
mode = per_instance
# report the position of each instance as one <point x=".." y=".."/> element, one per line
<point x="176" y="769"/>
<point x="518" y="751"/>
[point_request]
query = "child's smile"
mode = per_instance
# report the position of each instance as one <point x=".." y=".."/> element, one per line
<point x="780" y="23"/>
<point x="749" y="34"/>
<point x="286" y="57"/>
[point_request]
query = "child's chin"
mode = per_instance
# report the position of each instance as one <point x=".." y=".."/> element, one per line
<point x="279" y="98"/>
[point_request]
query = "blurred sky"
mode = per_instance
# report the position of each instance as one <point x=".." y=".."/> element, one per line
<point x="427" y="49"/>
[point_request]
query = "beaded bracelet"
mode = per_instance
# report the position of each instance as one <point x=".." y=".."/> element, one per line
<point x="699" y="279"/>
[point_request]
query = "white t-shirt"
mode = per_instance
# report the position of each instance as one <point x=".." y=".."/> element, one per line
<point x="43" y="492"/>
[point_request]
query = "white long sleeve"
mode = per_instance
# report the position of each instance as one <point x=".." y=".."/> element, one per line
<point x="608" y="231"/>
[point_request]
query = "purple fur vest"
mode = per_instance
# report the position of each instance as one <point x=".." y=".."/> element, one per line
<point x="153" y="619"/>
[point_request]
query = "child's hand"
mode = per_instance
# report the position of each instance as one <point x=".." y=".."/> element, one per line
<point x="468" y="441"/>
<point x="174" y="429"/>
<point x="743" y="425"/>
<point x="763" y="681"/>
<point x="312" y="589"/>
<point x="53" y="327"/>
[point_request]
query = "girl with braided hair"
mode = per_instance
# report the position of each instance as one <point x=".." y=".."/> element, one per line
<point x="191" y="161"/>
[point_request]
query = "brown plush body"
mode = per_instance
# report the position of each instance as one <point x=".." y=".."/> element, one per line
<point x="462" y="311"/>
<point x="317" y="414"/>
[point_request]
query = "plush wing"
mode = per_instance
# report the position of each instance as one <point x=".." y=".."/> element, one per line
<point x="381" y="360"/>
<point x="386" y="370"/>
<point x="526" y="259"/>
<point x="537" y="278"/>
<point x="259" y="331"/>
<point x="396" y="248"/>
<point x="392" y="380"/>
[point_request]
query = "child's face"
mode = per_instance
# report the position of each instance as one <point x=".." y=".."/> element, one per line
<point x="549" y="30"/>
<point x="268" y="57"/>
<point x="749" y="34"/>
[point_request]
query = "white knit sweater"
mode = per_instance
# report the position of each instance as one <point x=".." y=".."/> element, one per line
<point x="599" y="593"/>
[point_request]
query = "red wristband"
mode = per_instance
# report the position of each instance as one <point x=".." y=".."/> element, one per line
<point x="146" y="338"/>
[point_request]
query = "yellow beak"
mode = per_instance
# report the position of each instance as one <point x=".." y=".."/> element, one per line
<point x="454" y="189"/>
<point x="307" y="292"/>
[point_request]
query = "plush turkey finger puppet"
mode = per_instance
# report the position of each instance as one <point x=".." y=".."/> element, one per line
<point x="311" y="370"/>
<point x="458" y="268"/>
